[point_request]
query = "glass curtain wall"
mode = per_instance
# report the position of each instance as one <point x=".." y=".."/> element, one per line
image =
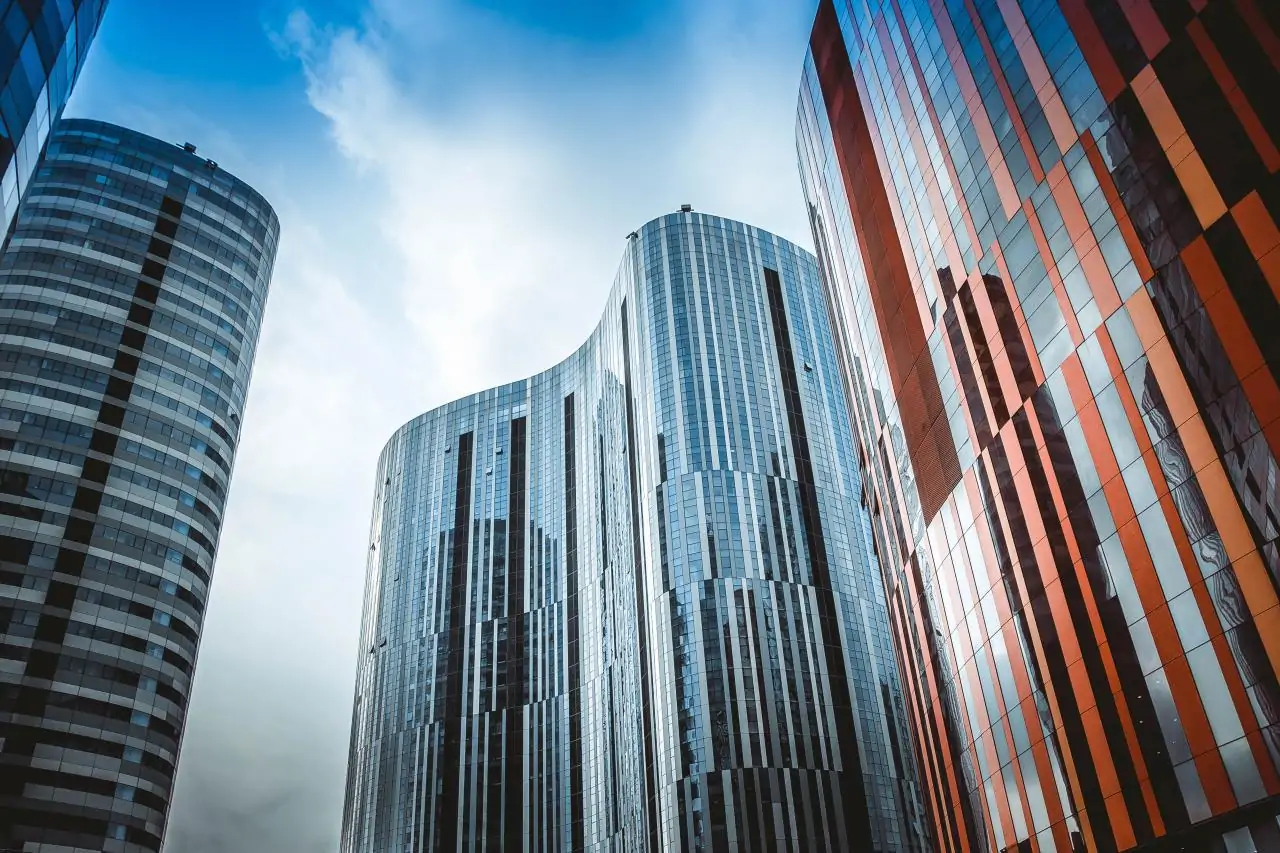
<point x="631" y="603"/>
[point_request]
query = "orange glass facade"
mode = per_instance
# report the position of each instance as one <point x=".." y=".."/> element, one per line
<point x="1049" y="236"/>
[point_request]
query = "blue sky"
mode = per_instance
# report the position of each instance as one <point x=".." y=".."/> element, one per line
<point x="455" y="180"/>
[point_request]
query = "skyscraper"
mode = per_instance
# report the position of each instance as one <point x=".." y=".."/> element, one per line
<point x="631" y="603"/>
<point x="1049" y="236"/>
<point x="43" y="44"/>
<point x="131" y="294"/>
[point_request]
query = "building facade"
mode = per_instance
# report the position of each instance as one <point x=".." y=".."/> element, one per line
<point x="631" y="603"/>
<point x="131" y="293"/>
<point x="43" y="44"/>
<point x="1049" y="237"/>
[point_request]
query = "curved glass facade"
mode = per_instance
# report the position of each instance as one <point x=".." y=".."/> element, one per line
<point x="43" y="44"/>
<point x="131" y="293"/>
<point x="631" y="603"/>
<point x="1049" y="237"/>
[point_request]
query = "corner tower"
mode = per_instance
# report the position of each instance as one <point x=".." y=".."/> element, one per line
<point x="1049" y="236"/>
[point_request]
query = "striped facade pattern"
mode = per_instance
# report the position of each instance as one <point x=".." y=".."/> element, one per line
<point x="43" y="46"/>
<point x="131" y="294"/>
<point x="1048" y="231"/>
<point x="631" y="603"/>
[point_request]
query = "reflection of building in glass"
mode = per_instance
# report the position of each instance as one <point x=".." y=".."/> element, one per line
<point x="1049" y="236"/>
<point x="43" y="44"/>
<point x="131" y="293"/>
<point x="664" y="627"/>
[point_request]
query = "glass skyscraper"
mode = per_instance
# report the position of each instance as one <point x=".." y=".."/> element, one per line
<point x="131" y="293"/>
<point x="1049" y="236"/>
<point x="43" y="44"/>
<point x="632" y="603"/>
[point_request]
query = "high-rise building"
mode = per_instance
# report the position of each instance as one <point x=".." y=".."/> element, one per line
<point x="43" y="44"/>
<point x="631" y="603"/>
<point x="131" y="293"/>
<point x="1049" y="236"/>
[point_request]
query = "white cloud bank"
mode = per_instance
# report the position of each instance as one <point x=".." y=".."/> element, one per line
<point x="502" y="169"/>
<point x="508" y="197"/>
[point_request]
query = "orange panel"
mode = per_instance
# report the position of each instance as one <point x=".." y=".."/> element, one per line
<point x="1217" y="784"/>
<point x="1262" y="757"/>
<point x="1061" y="838"/>
<point x="1100" y="281"/>
<point x="1264" y="396"/>
<point x="1146" y="26"/>
<point x="1077" y="383"/>
<point x="1145" y="320"/>
<point x="1064" y="195"/>
<point x="1163" y="632"/>
<point x="1199" y="260"/>
<point x="1256" y="224"/>
<point x="1261" y="235"/>
<point x="1011" y="106"/>
<point x="1108" y="782"/>
<point x="1173" y="384"/>
<point x="1201" y="191"/>
<point x="1135" y="751"/>
<point x="1221" y="499"/>
<point x="1120" y="823"/>
<point x="1233" y="331"/>
<point x="1121" y="504"/>
<point x="1095" y="50"/>
<point x="1256" y="586"/>
<point x="1195" y="723"/>
<point x="1196" y="442"/>
<point x="1055" y="112"/>
<point x="1071" y="654"/>
<point x="1270" y="264"/>
<point x="1103" y="175"/>
<point x="1203" y="194"/>
<point x="1147" y="583"/>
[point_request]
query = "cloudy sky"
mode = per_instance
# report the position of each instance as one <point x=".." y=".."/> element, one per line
<point x="455" y="180"/>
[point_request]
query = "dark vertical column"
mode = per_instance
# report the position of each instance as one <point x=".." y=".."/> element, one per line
<point x="576" y="792"/>
<point x="851" y="784"/>
<point x="517" y="501"/>
<point x="451" y="695"/>
<point x="651" y="789"/>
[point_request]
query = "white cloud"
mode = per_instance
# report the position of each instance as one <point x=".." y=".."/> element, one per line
<point x="508" y="216"/>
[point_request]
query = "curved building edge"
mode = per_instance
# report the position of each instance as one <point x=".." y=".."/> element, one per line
<point x="676" y="474"/>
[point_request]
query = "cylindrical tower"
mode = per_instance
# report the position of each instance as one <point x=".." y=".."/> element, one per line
<point x="131" y="294"/>
<point x="1049" y="233"/>
<point x="630" y="603"/>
